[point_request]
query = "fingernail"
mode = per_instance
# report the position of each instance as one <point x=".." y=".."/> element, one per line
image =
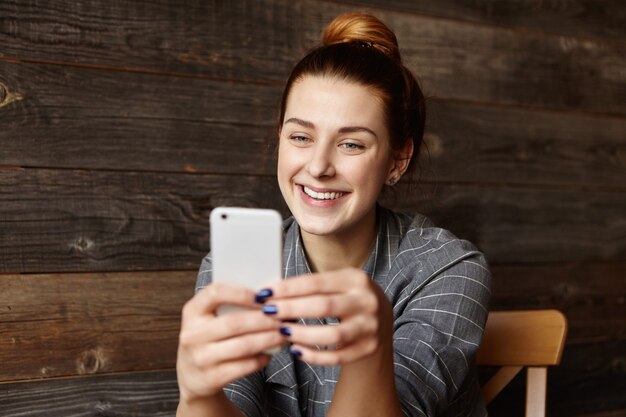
<point x="295" y="352"/>
<point x="285" y="331"/>
<point x="270" y="309"/>
<point x="262" y="296"/>
<point x="265" y="292"/>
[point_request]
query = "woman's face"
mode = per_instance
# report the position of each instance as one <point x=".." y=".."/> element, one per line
<point x="334" y="155"/>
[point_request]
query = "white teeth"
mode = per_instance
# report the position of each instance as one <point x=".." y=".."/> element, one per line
<point x="322" y="196"/>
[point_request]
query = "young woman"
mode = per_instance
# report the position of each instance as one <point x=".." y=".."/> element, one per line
<point x="382" y="312"/>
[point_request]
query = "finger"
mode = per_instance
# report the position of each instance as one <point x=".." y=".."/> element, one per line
<point x="343" y="334"/>
<point x="215" y="294"/>
<point x="227" y="372"/>
<point x="335" y="357"/>
<point x="238" y="348"/>
<point x="206" y="329"/>
<point x="321" y="283"/>
<point x="331" y="305"/>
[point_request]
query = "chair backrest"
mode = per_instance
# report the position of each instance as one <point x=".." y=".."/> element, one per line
<point x="518" y="339"/>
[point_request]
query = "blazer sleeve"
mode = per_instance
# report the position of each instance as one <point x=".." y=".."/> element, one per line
<point x="438" y="327"/>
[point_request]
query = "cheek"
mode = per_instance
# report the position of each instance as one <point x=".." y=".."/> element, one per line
<point x="368" y="171"/>
<point x="282" y="157"/>
<point x="287" y="163"/>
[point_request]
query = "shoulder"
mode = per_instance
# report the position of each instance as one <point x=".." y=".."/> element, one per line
<point x="426" y="251"/>
<point x="424" y="241"/>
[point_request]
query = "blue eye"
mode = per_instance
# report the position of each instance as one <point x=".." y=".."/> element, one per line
<point x="352" y="146"/>
<point x="299" y="139"/>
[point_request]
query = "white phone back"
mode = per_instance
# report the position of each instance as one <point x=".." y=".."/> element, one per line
<point x="246" y="247"/>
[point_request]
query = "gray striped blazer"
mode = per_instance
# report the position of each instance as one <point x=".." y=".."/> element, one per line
<point x="439" y="288"/>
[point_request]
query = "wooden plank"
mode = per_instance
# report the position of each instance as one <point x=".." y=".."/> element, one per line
<point x="62" y="220"/>
<point x="139" y="394"/>
<point x="517" y="146"/>
<point x="523" y="338"/>
<point x="591" y="295"/>
<point x="580" y="18"/>
<point x="95" y="119"/>
<point x="246" y="39"/>
<point x="536" y="385"/>
<point x="498" y="382"/>
<point x="259" y="41"/>
<point x="66" y="220"/>
<point x="77" y="118"/>
<point x="78" y="324"/>
<point x="527" y="225"/>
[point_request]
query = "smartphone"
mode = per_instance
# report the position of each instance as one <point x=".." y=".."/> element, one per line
<point x="246" y="248"/>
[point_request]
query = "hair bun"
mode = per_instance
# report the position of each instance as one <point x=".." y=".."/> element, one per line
<point x="365" y="28"/>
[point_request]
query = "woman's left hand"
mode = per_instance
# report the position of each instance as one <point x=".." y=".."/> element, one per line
<point x="364" y="312"/>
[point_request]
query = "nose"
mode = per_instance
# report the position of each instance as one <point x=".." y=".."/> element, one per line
<point x="321" y="162"/>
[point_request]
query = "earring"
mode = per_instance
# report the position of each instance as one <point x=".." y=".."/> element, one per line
<point x="392" y="181"/>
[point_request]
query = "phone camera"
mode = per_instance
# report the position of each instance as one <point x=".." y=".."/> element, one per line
<point x="224" y="216"/>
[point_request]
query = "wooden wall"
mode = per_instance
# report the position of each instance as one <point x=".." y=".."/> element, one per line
<point x="124" y="122"/>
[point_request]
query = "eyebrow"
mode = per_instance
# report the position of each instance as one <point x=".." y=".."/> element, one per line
<point x="345" y="129"/>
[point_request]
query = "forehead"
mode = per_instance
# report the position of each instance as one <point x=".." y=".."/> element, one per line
<point x="332" y="102"/>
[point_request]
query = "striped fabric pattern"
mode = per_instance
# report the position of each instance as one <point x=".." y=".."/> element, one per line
<point x="439" y="287"/>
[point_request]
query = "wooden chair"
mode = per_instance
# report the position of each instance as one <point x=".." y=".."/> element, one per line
<point x="518" y="339"/>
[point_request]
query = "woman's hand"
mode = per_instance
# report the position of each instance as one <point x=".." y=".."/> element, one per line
<point x="364" y="312"/>
<point x="214" y="351"/>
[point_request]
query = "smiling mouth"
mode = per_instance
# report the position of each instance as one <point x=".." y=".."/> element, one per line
<point x="322" y="196"/>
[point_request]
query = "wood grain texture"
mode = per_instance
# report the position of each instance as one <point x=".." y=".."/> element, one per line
<point x="523" y="337"/>
<point x="62" y="220"/>
<point x="156" y="394"/>
<point x="115" y="221"/>
<point x="76" y="118"/>
<point x="454" y="59"/>
<point x="583" y="18"/>
<point x="591" y="295"/>
<point x="148" y="122"/>
<point x="78" y="324"/>
<point x="528" y="225"/>
<point x="72" y="324"/>
<point x="484" y="144"/>
<point x="140" y="394"/>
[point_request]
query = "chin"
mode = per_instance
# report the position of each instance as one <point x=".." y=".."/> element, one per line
<point x="318" y="226"/>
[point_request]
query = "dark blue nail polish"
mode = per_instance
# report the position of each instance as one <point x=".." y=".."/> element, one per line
<point x="270" y="309"/>
<point x="295" y="352"/>
<point x="262" y="296"/>
<point x="266" y="292"/>
<point x="285" y="331"/>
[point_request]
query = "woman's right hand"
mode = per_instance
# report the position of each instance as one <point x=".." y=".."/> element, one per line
<point x="216" y="350"/>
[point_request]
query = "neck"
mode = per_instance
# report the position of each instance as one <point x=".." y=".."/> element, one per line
<point x="350" y="248"/>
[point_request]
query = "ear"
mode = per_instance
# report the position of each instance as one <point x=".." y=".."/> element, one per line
<point x="400" y="162"/>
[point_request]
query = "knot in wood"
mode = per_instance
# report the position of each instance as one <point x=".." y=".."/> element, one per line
<point x="82" y="244"/>
<point x="7" y="97"/>
<point x="91" y="361"/>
